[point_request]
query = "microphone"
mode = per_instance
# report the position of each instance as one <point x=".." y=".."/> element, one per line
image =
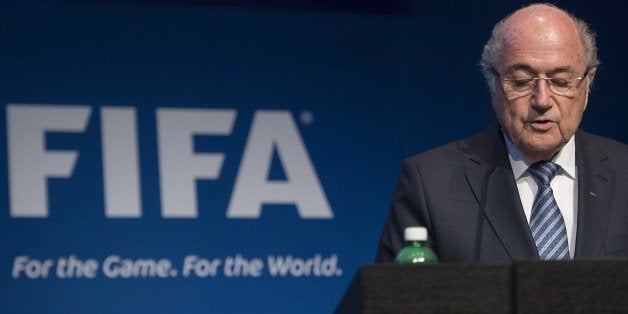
<point x="480" y="222"/>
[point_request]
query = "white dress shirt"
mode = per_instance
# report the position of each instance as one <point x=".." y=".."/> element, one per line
<point x="564" y="185"/>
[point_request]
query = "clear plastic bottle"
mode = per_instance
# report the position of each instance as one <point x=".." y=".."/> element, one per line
<point x="416" y="250"/>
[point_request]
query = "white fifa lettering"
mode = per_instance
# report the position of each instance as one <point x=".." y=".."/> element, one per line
<point x="277" y="130"/>
<point x="120" y="162"/>
<point x="179" y="166"/>
<point x="30" y="164"/>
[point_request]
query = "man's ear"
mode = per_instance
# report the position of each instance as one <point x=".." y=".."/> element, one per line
<point x="592" y="72"/>
<point x="590" y="77"/>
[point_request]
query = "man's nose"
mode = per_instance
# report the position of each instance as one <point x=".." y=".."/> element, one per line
<point x="541" y="94"/>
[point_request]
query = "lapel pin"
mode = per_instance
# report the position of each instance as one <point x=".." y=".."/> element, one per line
<point x="592" y="193"/>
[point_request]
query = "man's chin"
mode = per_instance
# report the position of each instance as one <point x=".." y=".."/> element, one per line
<point x="541" y="151"/>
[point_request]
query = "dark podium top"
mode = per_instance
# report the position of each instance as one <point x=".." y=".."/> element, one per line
<point x="524" y="287"/>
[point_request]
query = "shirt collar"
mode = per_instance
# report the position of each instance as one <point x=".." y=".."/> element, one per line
<point x="566" y="158"/>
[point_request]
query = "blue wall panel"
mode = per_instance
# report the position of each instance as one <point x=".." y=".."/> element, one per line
<point x="366" y="85"/>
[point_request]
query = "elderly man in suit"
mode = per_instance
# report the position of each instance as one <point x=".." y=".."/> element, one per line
<point x="533" y="185"/>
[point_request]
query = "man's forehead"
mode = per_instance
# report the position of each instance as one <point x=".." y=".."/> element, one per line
<point x="538" y="14"/>
<point x="544" y="35"/>
<point x="541" y="24"/>
<point x="533" y="70"/>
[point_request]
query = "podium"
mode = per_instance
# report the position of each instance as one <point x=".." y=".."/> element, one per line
<point x="524" y="287"/>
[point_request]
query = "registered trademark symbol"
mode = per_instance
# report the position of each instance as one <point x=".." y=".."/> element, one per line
<point x="306" y="117"/>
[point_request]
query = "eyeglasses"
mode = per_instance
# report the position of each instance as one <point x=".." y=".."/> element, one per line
<point x="522" y="84"/>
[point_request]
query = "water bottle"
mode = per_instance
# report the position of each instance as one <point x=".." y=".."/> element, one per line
<point x="416" y="250"/>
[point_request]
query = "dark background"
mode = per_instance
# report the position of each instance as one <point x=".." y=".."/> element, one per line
<point x="383" y="80"/>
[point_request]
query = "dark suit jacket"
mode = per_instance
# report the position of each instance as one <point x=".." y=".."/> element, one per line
<point x="441" y="190"/>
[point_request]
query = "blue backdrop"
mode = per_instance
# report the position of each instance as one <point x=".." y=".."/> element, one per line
<point x="227" y="93"/>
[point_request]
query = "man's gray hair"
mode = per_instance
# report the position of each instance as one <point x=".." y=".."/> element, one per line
<point x="493" y="48"/>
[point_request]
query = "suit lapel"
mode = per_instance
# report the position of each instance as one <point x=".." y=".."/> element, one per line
<point x="504" y="211"/>
<point x="505" y="214"/>
<point x="596" y="184"/>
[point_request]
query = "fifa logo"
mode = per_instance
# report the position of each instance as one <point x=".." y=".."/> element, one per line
<point x="31" y="164"/>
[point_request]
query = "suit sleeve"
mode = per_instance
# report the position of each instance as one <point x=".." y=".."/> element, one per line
<point x="408" y="209"/>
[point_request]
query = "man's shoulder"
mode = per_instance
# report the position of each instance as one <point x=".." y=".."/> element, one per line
<point x="609" y="152"/>
<point x="604" y="145"/>
<point x="455" y="151"/>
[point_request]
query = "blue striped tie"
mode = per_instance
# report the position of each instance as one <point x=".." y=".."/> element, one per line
<point x="546" y="223"/>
